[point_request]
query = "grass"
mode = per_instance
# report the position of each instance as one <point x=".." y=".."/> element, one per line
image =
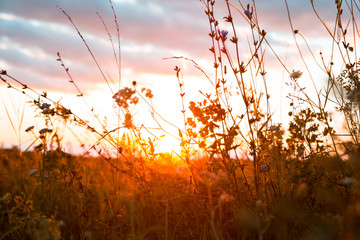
<point x="239" y="174"/>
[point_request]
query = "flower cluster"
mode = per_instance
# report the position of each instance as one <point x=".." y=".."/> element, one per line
<point x="29" y="129"/>
<point x="128" y="123"/>
<point x="45" y="107"/>
<point x="124" y="95"/>
<point x="295" y="74"/>
<point x="148" y="92"/>
<point x="45" y="130"/>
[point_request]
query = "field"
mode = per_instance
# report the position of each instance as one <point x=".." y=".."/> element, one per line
<point x="238" y="173"/>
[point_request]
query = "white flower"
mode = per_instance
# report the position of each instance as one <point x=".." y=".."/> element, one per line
<point x="296" y="74"/>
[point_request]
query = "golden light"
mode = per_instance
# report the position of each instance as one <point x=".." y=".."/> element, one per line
<point x="169" y="144"/>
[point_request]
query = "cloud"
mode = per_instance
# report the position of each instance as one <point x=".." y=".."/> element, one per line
<point x="34" y="31"/>
<point x="164" y="25"/>
<point x="274" y="16"/>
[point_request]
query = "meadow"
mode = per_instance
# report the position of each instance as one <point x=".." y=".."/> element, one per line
<point x="238" y="174"/>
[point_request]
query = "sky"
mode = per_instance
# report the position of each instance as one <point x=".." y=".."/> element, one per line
<point x="32" y="32"/>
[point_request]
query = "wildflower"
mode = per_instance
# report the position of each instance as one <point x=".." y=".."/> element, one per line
<point x="122" y="96"/>
<point x="249" y="13"/>
<point x="274" y="128"/>
<point x="349" y="181"/>
<point x="46" y="111"/>
<point x="134" y="100"/>
<point x="128" y="121"/>
<point x="29" y="129"/>
<point x="265" y="168"/>
<point x="32" y="172"/>
<point x="44" y="106"/>
<point x="149" y="93"/>
<point x="242" y="67"/>
<point x="45" y="130"/>
<point x="224" y="33"/>
<point x="295" y="74"/>
<point x="6" y="198"/>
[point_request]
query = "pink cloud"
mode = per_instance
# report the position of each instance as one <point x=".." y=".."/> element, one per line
<point x="166" y="26"/>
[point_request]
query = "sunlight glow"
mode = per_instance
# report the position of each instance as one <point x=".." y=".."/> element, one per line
<point x="169" y="144"/>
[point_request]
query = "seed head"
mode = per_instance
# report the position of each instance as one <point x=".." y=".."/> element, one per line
<point x="29" y="129"/>
<point x="295" y="74"/>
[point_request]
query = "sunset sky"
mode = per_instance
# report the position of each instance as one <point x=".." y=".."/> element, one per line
<point x="32" y="32"/>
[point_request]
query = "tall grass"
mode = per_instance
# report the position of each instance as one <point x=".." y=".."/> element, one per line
<point x="253" y="179"/>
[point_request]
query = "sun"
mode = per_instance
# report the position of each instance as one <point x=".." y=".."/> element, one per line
<point x="168" y="144"/>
